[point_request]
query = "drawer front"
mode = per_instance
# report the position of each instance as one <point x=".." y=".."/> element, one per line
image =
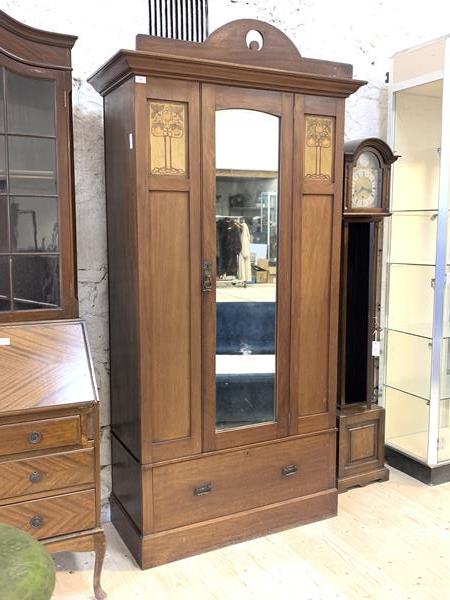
<point x="46" y="473"/>
<point x="38" y="435"/>
<point x="209" y="487"/>
<point x="53" y="516"/>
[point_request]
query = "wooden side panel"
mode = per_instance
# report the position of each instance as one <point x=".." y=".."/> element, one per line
<point x="168" y="175"/>
<point x="167" y="215"/>
<point x="122" y="258"/>
<point x="315" y="221"/>
<point x="126" y="475"/>
<point x="317" y="213"/>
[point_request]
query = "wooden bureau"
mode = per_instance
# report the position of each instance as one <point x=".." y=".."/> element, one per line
<point x="49" y="438"/>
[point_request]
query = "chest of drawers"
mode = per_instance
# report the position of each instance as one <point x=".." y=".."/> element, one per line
<point x="49" y="438"/>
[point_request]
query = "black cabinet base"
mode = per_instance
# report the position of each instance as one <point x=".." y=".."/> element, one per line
<point x="416" y="469"/>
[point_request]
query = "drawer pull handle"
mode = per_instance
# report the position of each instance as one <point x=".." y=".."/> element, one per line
<point x="36" y="522"/>
<point x="202" y="490"/>
<point x="289" y="470"/>
<point x="35" y="437"/>
<point x="35" y="477"/>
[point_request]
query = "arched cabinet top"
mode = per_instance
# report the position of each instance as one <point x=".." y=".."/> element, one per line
<point x="34" y="47"/>
<point x="246" y="52"/>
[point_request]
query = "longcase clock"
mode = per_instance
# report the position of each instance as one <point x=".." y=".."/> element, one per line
<point x="367" y="169"/>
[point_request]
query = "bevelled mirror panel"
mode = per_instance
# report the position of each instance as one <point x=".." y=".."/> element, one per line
<point x="247" y="159"/>
<point x="31" y="105"/>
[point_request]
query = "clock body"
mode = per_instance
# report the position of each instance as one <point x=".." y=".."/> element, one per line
<point x="367" y="178"/>
<point x="367" y="170"/>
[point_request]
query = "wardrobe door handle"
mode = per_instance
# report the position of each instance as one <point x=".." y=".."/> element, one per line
<point x="289" y="470"/>
<point x="203" y="489"/>
<point x="207" y="276"/>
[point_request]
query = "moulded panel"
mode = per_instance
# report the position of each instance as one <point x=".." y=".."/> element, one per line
<point x="410" y="301"/>
<point x="417" y="140"/>
<point x="168" y="138"/>
<point x="314" y="219"/>
<point x="413" y="238"/>
<point x="407" y="419"/>
<point x="319" y="148"/>
<point x="409" y="363"/>
<point x="170" y="315"/>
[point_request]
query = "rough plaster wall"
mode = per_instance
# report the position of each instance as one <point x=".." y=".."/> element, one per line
<point x="364" y="33"/>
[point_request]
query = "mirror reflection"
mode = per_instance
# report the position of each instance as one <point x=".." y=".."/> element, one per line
<point x="247" y="156"/>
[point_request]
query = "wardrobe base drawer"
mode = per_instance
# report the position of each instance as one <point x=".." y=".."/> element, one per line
<point x="212" y="486"/>
<point x="53" y="516"/>
<point x="46" y="473"/>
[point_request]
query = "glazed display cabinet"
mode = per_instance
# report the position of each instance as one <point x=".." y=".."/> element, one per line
<point x="224" y="166"/>
<point x="37" y="222"/>
<point x="417" y="360"/>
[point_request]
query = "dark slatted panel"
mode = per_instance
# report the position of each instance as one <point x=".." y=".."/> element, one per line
<point x="179" y="19"/>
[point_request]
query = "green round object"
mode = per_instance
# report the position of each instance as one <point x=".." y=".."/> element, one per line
<point x="27" y="571"/>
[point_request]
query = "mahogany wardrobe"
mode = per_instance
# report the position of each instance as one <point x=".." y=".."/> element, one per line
<point x="224" y="165"/>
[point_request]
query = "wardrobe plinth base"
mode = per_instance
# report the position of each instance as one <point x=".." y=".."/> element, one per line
<point x="167" y="546"/>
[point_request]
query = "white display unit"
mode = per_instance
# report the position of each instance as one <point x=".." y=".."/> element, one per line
<point x="416" y="360"/>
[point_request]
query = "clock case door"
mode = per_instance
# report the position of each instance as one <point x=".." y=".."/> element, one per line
<point x="360" y="278"/>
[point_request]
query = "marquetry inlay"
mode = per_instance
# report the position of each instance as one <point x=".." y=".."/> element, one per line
<point x="319" y="142"/>
<point x="168" y="133"/>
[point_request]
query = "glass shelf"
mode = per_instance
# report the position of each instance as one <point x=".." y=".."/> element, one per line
<point x="408" y="365"/>
<point x="413" y="238"/>
<point x="411" y="296"/>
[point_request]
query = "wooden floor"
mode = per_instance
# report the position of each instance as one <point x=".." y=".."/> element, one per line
<point x="390" y="541"/>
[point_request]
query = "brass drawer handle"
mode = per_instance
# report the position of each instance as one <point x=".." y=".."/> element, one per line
<point x="36" y="522"/>
<point x="204" y="489"/>
<point x="35" y="437"/>
<point x="35" y="477"/>
<point x="289" y="470"/>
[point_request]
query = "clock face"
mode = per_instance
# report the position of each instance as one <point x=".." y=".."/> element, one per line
<point x="366" y="182"/>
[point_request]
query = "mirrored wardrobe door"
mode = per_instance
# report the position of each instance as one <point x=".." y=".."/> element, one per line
<point x="242" y="211"/>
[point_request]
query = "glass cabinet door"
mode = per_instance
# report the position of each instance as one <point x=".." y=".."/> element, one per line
<point x="29" y="219"/>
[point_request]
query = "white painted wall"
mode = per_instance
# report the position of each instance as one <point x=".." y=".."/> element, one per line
<point x="362" y="32"/>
